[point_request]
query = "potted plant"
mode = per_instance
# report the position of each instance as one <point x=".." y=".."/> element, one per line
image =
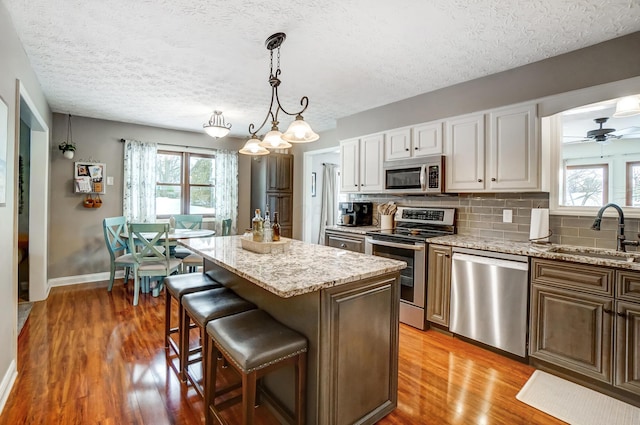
<point x="68" y="149"/>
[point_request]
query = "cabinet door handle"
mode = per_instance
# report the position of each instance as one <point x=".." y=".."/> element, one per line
<point x="493" y="179"/>
<point x="622" y="315"/>
<point x="406" y="149"/>
<point x="479" y="180"/>
<point x="607" y="311"/>
<point x="355" y="185"/>
<point x="415" y="149"/>
<point x="343" y="245"/>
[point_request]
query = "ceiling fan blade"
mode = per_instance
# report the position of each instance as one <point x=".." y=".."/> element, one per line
<point x="626" y="132"/>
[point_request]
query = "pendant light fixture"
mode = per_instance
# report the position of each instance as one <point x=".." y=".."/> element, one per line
<point x="298" y="132"/>
<point x="217" y="127"/>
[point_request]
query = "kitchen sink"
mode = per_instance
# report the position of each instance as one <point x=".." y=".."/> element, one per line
<point x="606" y="254"/>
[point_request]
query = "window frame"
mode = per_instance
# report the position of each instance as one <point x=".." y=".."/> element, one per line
<point x="628" y="185"/>
<point x="185" y="184"/>
<point x="605" y="179"/>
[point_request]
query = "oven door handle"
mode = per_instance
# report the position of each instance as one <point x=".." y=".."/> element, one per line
<point x="423" y="177"/>
<point x="417" y="247"/>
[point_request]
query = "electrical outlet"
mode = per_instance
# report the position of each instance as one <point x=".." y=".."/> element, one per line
<point x="507" y="216"/>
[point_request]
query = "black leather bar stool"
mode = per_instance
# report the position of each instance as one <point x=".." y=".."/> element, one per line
<point x="175" y="288"/>
<point x="201" y="308"/>
<point x="254" y="343"/>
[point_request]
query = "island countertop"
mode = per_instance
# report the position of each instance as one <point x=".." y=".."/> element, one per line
<point x="304" y="268"/>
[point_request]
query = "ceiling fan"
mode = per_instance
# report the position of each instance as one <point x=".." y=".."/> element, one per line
<point x="605" y="135"/>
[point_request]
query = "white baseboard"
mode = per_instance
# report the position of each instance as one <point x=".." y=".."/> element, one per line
<point x="85" y="278"/>
<point x="6" y="385"/>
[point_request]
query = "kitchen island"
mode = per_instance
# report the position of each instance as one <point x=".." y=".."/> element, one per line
<point x="345" y="303"/>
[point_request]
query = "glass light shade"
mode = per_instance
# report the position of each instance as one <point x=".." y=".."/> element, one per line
<point x="68" y="154"/>
<point x="300" y="132"/>
<point x="216" y="127"/>
<point x="627" y="106"/>
<point x="252" y="147"/>
<point x="273" y="140"/>
<point x="215" y="131"/>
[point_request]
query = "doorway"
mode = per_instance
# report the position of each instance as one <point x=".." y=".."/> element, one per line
<point x="312" y="203"/>
<point x="36" y="135"/>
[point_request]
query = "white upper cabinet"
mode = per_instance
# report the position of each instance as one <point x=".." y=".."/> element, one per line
<point x="514" y="150"/>
<point x="412" y="142"/>
<point x="427" y="139"/>
<point x="349" y="163"/>
<point x="397" y="144"/>
<point x="464" y="149"/>
<point x="361" y="164"/>
<point x="507" y="159"/>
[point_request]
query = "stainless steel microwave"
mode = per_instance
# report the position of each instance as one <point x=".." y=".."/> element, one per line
<point x="417" y="175"/>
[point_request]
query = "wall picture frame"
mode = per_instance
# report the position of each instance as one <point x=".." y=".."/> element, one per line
<point x="4" y="145"/>
<point x="89" y="177"/>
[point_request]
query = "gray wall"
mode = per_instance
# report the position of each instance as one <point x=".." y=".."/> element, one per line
<point x="76" y="242"/>
<point x="15" y="66"/>
<point x="606" y="62"/>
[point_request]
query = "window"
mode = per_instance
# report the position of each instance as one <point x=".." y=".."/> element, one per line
<point x="586" y="185"/>
<point x="185" y="184"/>
<point x="633" y="184"/>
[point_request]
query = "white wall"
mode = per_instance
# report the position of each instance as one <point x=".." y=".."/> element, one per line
<point x="15" y="66"/>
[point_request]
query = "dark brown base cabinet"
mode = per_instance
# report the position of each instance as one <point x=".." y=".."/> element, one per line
<point x="345" y="240"/>
<point x="439" y="284"/>
<point x="586" y="319"/>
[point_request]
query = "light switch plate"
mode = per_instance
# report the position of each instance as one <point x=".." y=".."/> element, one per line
<point x="109" y="180"/>
<point x="507" y="216"/>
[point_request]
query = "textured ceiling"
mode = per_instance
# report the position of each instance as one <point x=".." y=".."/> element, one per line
<point x="170" y="63"/>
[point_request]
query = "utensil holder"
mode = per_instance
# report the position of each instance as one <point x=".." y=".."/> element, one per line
<point x="386" y="222"/>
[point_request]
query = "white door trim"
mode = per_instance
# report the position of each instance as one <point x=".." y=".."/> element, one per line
<point x="38" y="200"/>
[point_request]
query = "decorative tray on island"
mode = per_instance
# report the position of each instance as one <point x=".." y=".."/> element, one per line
<point x="278" y="247"/>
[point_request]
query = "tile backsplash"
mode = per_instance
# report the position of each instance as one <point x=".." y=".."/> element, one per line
<point x="480" y="214"/>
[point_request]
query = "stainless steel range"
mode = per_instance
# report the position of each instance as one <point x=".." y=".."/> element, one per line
<point x="408" y="242"/>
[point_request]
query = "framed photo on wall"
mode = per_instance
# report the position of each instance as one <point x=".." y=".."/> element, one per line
<point x="89" y="177"/>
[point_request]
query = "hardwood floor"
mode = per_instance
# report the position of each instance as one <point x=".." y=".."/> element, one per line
<point x="87" y="356"/>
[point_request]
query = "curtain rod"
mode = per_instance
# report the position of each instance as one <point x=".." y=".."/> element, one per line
<point x="181" y="146"/>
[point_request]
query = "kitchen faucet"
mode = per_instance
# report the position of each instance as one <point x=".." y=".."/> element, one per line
<point x="622" y="243"/>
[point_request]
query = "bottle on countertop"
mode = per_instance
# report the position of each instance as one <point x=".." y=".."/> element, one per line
<point x="275" y="227"/>
<point x="268" y="235"/>
<point x="258" y="227"/>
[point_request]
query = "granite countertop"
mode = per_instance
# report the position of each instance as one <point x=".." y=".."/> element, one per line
<point x="304" y="268"/>
<point x="576" y="254"/>
<point x="360" y="230"/>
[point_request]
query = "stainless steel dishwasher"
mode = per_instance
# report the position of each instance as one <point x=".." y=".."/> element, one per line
<point x="489" y="294"/>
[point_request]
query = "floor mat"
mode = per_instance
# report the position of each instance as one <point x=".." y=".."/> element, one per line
<point x="23" y="314"/>
<point x="575" y="404"/>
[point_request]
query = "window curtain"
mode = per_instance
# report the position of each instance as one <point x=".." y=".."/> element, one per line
<point x="139" y="203"/>
<point x="226" y="189"/>
<point x="328" y="210"/>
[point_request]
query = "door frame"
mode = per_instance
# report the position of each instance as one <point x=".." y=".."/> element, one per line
<point x="38" y="193"/>
<point x="307" y="165"/>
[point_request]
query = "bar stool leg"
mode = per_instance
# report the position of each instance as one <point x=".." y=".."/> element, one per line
<point x="301" y="385"/>
<point x="185" y="323"/>
<point x="167" y="320"/>
<point x="248" y="397"/>
<point x="210" y="353"/>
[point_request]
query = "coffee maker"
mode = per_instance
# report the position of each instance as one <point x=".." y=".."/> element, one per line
<point x="355" y="213"/>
